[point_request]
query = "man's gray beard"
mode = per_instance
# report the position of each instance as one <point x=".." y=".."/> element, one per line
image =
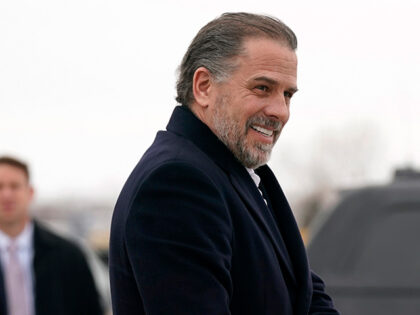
<point x="234" y="137"/>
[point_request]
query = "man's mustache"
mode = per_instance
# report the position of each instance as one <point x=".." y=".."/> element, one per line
<point x="264" y="122"/>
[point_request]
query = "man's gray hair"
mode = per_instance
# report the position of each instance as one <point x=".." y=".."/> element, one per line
<point x="218" y="42"/>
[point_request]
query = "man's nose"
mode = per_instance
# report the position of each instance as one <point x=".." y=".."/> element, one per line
<point x="278" y="108"/>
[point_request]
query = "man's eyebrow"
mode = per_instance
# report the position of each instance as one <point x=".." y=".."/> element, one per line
<point x="293" y="90"/>
<point x="266" y="79"/>
<point x="274" y="82"/>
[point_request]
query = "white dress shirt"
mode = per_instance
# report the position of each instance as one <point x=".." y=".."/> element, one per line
<point x="24" y="242"/>
<point x="256" y="180"/>
<point x="254" y="176"/>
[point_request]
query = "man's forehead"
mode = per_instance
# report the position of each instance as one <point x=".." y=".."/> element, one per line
<point x="7" y="169"/>
<point x="267" y="53"/>
<point x="252" y="45"/>
<point x="267" y="60"/>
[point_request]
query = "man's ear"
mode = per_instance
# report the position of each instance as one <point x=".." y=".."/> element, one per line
<point x="201" y="87"/>
<point x="31" y="192"/>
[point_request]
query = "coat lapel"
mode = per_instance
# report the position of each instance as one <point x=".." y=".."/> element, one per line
<point x="255" y="204"/>
<point x="45" y="300"/>
<point x="3" y="301"/>
<point x="290" y="231"/>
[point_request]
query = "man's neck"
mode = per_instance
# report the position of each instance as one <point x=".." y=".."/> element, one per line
<point x="13" y="229"/>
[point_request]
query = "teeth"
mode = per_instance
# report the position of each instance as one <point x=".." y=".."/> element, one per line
<point x="264" y="131"/>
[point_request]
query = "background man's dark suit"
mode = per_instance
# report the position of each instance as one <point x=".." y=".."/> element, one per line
<point x="191" y="234"/>
<point x="63" y="281"/>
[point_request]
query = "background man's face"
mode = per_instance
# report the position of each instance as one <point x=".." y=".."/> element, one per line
<point x="15" y="195"/>
<point x="251" y="107"/>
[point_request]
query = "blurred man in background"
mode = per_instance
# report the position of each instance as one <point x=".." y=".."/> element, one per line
<point x="41" y="273"/>
<point x="202" y="225"/>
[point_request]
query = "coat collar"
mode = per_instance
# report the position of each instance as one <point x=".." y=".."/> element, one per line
<point x="184" y="123"/>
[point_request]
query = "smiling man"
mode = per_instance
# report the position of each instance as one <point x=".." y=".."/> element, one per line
<point x="202" y="225"/>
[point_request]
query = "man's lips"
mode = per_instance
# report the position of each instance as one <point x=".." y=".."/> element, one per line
<point x="266" y="132"/>
<point x="265" y="126"/>
<point x="7" y="206"/>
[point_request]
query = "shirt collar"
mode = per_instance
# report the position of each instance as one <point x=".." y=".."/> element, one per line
<point x="254" y="176"/>
<point x="23" y="240"/>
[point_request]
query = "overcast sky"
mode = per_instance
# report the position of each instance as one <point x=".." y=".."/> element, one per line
<point x="85" y="85"/>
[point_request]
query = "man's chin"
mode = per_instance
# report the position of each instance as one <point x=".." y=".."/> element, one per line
<point x="255" y="159"/>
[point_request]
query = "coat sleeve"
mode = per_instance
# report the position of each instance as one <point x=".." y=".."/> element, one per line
<point x="178" y="239"/>
<point x="321" y="303"/>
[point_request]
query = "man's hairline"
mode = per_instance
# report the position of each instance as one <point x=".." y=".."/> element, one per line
<point x="20" y="169"/>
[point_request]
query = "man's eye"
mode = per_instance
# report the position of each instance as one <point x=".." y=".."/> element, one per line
<point x="288" y="94"/>
<point x="262" y="88"/>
